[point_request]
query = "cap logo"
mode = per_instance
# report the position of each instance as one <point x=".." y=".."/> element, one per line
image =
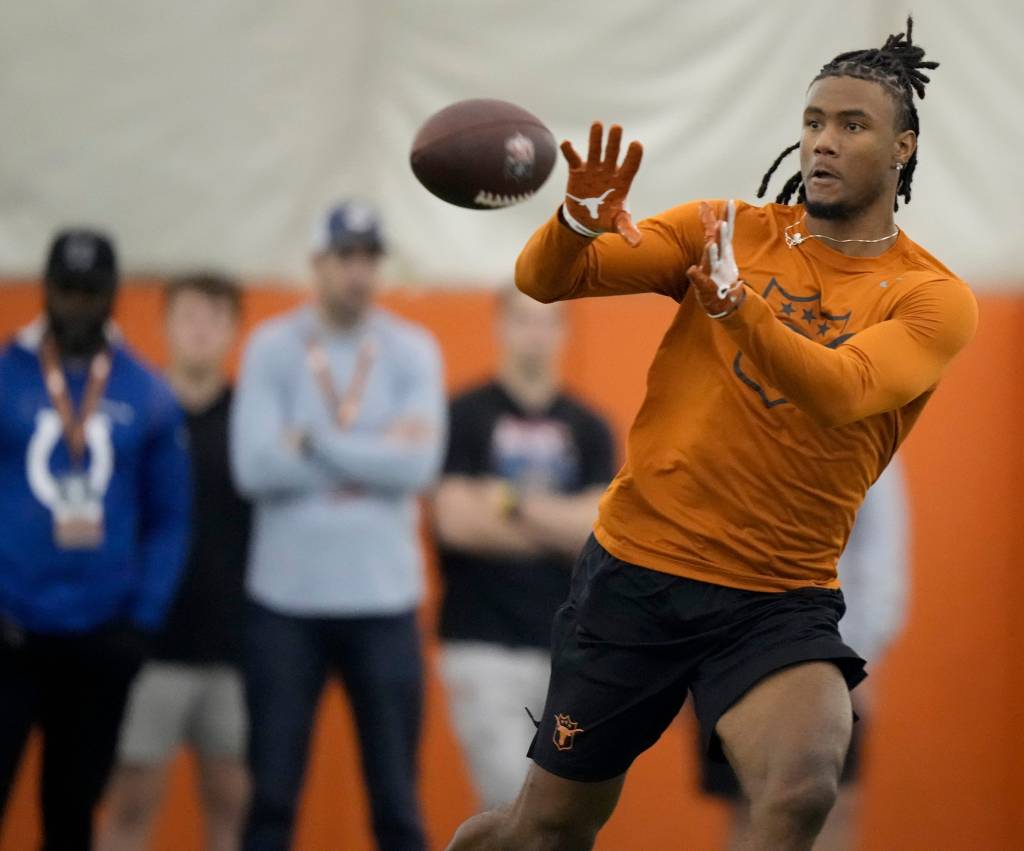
<point x="79" y="253"/>
<point x="359" y="218"/>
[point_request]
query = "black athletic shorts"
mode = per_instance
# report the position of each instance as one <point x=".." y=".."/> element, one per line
<point x="630" y="642"/>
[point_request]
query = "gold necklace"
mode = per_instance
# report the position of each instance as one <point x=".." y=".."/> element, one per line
<point x="797" y="238"/>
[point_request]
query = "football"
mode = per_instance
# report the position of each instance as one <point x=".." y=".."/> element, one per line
<point x="483" y="154"/>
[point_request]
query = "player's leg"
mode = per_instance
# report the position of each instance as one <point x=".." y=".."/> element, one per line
<point x="616" y="683"/>
<point x="159" y="702"/>
<point x="787" y="738"/>
<point x="285" y="670"/>
<point x="840" y="826"/>
<point x="549" y="814"/>
<point x="840" y="830"/>
<point x="381" y="665"/>
<point x="217" y="733"/>
<point x="489" y="687"/>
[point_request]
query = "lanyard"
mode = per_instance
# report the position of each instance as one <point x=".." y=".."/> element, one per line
<point x="73" y="422"/>
<point x="344" y="406"/>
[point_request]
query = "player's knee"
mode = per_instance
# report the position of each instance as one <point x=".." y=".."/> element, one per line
<point x="564" y="829"/>
<point x="804" y="790"/>
<point x="484" y="831"/>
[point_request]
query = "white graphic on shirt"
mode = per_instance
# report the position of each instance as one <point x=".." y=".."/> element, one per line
<point x="43" y="483"/>
<point x="535" y="454"/>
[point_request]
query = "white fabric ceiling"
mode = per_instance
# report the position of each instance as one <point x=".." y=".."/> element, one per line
<point x="214" y="133"/>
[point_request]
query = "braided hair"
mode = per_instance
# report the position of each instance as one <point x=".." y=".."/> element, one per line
<point x="896" y="66"/>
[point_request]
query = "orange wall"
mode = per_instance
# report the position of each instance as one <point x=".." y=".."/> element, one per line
<point x="946" y="762"/>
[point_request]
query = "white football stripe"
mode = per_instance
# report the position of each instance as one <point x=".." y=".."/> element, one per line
<point x="489" y="199"/>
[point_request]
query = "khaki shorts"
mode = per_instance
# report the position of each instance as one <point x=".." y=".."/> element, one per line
<point x="170" y="705"/>
<point x="490" y="687"/>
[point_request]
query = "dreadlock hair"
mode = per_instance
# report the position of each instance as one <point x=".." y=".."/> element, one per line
<point x="896" y="66"/>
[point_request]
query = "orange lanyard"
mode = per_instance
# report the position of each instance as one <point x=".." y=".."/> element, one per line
<point x="344" y="406"/>
<point x="73" y="422"/>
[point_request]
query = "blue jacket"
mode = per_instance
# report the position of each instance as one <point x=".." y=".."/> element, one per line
<point x="138" y="453"/>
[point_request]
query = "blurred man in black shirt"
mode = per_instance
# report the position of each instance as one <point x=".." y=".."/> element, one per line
<point x="526" y="466"/>
<point x="191" y="693"/>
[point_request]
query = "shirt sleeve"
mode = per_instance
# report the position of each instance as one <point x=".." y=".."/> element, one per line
<point x="558" y="264"/>
<point x="165" y="493"/>
<point x="881" y="369"/>
<point x="395" y="462"/>
<point x="262" y="462"/>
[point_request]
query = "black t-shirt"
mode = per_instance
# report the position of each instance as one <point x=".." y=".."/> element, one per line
<point x="205" y="622"/>
<point x="566" y="449"/>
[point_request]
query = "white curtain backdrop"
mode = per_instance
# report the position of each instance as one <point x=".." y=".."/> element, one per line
<point x="215" y="133"/>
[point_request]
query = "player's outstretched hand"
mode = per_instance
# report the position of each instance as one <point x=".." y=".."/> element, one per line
<point x="595" y="199"/>
<point x="717" y="281"/>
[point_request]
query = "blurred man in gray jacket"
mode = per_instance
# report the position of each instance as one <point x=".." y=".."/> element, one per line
<point x="338" y="423"/>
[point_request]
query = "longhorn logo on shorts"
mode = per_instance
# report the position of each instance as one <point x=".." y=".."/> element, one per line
<point x="565" y="732"/>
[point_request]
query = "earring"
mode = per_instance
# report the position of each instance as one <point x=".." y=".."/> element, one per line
<point x="898" y="166"/>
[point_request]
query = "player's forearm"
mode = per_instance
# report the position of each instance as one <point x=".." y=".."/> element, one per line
<point x="832" y="386"/>
<point x="552" y="265"/>
<point x="561" y="523"/>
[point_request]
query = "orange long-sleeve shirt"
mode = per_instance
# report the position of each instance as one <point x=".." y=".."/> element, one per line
<point x="760" y="433"/>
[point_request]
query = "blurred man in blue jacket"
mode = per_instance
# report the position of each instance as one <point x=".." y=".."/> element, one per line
<point x="94" y="492"/>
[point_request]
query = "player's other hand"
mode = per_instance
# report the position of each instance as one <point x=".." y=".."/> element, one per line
<point x="717" y="281"/>
<point x="595" y="199"/>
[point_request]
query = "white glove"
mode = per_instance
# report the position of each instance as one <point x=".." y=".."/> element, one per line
<point x="724" y="271"/>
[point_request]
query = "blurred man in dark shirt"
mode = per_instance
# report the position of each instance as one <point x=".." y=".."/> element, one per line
<point x="526" y="466"/>
<point x="191" y="693"/>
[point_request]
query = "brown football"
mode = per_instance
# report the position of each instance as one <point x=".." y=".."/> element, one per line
<point x="483" y="154"/>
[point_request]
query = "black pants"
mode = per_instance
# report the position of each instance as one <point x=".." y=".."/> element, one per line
<point x="74" y="689"/>
<point x="287" y="660"/>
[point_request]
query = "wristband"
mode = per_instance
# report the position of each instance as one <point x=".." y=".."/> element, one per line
<point x="582" y="230"/>
<point x="511" y="502"/>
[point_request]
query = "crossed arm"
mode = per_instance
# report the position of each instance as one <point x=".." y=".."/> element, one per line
<point x="272" y="457"/>
<point x="470" y="515"/>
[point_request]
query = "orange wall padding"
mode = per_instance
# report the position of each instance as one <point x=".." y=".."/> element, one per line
<point x="945" y="763"/>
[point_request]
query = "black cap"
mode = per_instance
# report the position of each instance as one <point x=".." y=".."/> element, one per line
<point x="82" y="258"/>
<point x="350" y="226"/>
